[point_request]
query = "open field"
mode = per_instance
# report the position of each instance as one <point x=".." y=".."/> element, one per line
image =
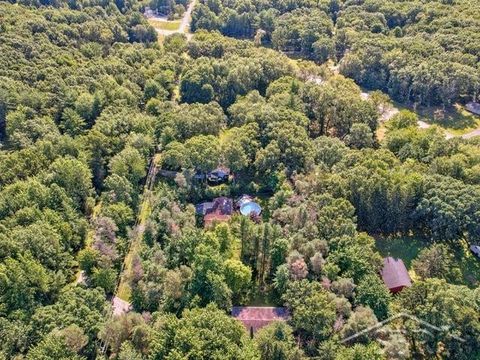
<point x="165" y="25"/>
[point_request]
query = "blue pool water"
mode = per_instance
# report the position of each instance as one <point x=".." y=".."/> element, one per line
<point x="250" y="208"/>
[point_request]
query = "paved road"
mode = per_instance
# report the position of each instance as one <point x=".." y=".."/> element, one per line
<point x="421" y="124"/>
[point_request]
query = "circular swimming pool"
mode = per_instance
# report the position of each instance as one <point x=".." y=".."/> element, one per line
<point x="250" y="208"/>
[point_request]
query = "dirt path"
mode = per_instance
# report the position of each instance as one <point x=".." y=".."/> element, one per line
<point x="119" y="305"/>
<point x="187" y="18"/>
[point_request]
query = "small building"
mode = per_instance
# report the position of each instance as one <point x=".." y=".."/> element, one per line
<point x="219" y="210"/>
<point x="203" y="208"/>
<point x="395" y="275"/>
<point x="218" y="176"/>
<point x="473" y="107"/>
<point x="254" y="318"/>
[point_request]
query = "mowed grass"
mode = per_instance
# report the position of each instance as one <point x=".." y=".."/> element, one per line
<point x="405" y="248"/>
<point x="469" y="265"/>
<point x="457" y="120"/>
<point x="165" y="25"/>
<point x="408" y="248"/>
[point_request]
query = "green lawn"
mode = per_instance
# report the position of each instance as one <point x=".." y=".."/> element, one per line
<point x="165" y="25"/>
<point x="457" y="121"/>
<point x="469" y="265"/>
<point x="407" y="249"/>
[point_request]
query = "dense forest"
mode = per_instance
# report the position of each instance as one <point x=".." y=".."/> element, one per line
<point x="424" y="52"/>
<point x="107" y="135"/>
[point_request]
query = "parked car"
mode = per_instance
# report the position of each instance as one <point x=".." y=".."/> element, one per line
<point x="218" y="176"/>
<point x="475" y="249"/>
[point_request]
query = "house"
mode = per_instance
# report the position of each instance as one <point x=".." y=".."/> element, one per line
<point x="219" y="210"/>
<point x="254" y="318"/>
<point x="475" y="249"/>
<point x="218" y="176"/>
<point x="395" y="275"/>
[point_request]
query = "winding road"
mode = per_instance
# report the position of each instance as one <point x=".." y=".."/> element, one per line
<point x="387" y="115"/>
<point x="393" y="110"/>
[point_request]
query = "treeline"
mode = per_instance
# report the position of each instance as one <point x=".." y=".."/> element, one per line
<point x="418" y="52"/>
<point x="75" y="145"/>
<point x="86" y="100"/>
<point x="172" y="8"/>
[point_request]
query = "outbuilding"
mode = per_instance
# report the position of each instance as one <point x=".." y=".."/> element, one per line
<point x="256" y="317"/>
<point x="473" y="107"/>
<point x="218" y="176"/>
<point x="395" y="275"/>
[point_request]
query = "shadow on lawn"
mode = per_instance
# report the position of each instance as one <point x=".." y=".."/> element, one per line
<point x="407" y="248"/>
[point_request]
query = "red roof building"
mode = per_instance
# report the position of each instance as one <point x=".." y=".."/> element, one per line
<point x="395" y="275"/>
<point x="220" y="210"/>
<point x="254" y="318"/>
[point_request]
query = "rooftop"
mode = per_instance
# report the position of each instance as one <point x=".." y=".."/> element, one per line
<point x="473" y="107"/>
<point x="254" y="318"/>
<point x="395" y="274"/>
<point x="221" y="206"/>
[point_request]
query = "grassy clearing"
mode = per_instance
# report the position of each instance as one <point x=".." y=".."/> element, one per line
<point x="124" y="289"/>
<point x="408" y="248"/>
<point x="457" y="121"/>
<point x="165" y="25"/>
<point x="381" y="131"/>
<point x="469" y="265"/>
<point x="259" y="298"/>
<point x="405" y="248"/>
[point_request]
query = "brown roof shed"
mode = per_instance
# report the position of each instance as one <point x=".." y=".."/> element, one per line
<point x="395" y="274"/>
<point x="254" y="318"/>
